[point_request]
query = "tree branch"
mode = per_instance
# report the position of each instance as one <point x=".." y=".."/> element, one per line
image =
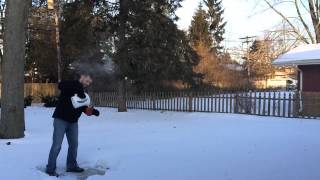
<point x="295" y="30"/>
<point x="304" y="23"/>
<point x="315" y="18"/>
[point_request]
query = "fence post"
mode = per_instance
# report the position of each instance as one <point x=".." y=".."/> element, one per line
<point x="284" y="104"/>
<point x="255" y="103"/>
<point x="190" y="101"/>
<point x="235" y="105"/>
<point x="264" y="98"/>
<point x="289" y="105"/>
<point x="296" y="104"/>
<point x="274" y="104"/>
<point x="153" y="101"/>
<point x="259" y="105"/>
<point x="269" y="103"/>
<point x="247" y="102"/>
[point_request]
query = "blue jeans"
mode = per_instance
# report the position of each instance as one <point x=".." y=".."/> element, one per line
<point x="62" y="127"/>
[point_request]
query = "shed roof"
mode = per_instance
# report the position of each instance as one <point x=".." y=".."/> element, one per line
<point x="302" y="55"/>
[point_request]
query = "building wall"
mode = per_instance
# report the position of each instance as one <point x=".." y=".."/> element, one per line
<point x="277" y="79"/>
<point x="310" y="78"/>
<point x="276" y="82"/>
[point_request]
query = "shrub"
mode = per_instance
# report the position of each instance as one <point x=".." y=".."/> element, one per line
<point x="28" y="101"/>
<point x="49" y="101"/>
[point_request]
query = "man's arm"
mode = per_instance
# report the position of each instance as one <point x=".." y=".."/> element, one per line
<point x="80" y="90"/>
<point x="66" y="88"/>
<point x="70" y="88"/>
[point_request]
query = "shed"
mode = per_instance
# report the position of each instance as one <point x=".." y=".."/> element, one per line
<point x="307" y="59"/>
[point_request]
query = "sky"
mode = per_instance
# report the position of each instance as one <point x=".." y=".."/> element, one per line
<point x="244" y="18"/>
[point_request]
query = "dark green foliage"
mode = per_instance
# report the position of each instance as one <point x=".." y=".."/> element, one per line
<point x="28" y="101"/>
<point x="82" y="27"/>
<point x="208" y="26"/>
<point x="49" y="101"/>
<point x="82" y="33"/>
<point x="41" y="49"/>
<point x="216" y="21"/>
<point x="199" y="30"/>
<point x="41" y="55"/>
<point x="147" y="47"/>
<point x="154" y="49"/>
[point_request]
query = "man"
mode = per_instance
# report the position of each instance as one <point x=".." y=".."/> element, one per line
<point x="66" y="122"/>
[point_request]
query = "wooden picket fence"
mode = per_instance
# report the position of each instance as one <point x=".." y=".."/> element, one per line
<point x="279" y="104"/>
<point x="37" y="90"/>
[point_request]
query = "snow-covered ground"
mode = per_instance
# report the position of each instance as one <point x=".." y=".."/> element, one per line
<point x="145" y="145"/>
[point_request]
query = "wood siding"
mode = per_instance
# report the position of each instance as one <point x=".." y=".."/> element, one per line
<point x="311" y="78"/>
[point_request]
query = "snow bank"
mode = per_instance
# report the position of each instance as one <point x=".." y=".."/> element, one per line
<point x="144" y="145"/>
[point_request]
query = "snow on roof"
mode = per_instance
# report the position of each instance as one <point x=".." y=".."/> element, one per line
<point x="303" y="55"/>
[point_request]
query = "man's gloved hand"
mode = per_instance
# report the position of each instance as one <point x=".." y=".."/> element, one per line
<point x="91" y="111"/>
<point x="95" y="112"/>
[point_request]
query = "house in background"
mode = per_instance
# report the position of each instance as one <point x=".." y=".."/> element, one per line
<point x="307" y="60"/>
<point x="281" y="78"/>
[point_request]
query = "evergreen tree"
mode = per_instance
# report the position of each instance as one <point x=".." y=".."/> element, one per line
<point x="199" y="30"/>
<point x="82" y="35"/>
<point x="140" y="36"/>
<point x="150" y="48"/>
<point x="81" y="40"/>
<point x="216" y="21"/>
<point x="41" y="49"/>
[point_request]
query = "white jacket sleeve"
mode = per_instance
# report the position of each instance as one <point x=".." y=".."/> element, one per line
<point x="80" y="102"/>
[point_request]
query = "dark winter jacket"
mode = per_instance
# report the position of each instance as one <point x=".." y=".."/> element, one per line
<point x="64" y="109"/>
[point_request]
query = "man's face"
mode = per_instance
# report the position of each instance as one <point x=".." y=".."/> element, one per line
<point x="85" y="80"/>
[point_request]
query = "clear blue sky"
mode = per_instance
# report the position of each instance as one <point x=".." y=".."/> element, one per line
<point x="244" y="17"/>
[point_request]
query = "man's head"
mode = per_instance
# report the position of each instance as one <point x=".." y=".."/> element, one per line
<point x="85" y="79"/>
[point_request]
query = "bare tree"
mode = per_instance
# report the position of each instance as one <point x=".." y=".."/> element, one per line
<point x="311" y="31"/>
<point x="314" y="6"/>
<point x="218" y="70"/>
<point x="12" y="101"/>
<point x="263" y="52"/>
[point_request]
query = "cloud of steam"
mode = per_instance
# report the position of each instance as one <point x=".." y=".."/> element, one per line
<point x="107" y="67"/>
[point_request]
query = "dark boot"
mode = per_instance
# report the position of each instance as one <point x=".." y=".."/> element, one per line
<point x="75" y="170"/>
<point x="52" y="173"/>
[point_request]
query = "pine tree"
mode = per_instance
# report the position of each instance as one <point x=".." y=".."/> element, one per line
<point x="41" y="48"/>
<point x="217" y="24"/>
<point x="82" y="36"/>
<point x="153" y="49"/>
<point x="81" y="40"/>
<point x="199" y="30"/>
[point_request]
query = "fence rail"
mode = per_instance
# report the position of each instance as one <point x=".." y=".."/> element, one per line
<point x="279" y="104"/>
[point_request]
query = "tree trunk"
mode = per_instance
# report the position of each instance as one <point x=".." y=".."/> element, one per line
<point x="314" y="12"/>
<point x="122" y="55"/>
<point x="122" y="105"/>
<point x="12" y="101"/>
<point x="57" y="15"/>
